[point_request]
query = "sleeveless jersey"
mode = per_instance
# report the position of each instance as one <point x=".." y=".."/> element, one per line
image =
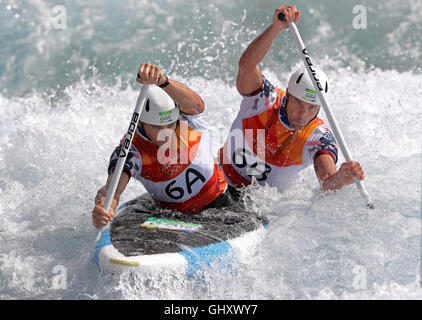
<point x="184" y="177"/>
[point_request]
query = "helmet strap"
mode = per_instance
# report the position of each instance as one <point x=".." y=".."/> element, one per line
<point x="314" y="117"/>
<point x="285" y="106"/>
<point x="144" y="133"/>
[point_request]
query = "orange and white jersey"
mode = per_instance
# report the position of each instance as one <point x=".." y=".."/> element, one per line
<point x="183" y="177"/>
<point x="262" y="144"/>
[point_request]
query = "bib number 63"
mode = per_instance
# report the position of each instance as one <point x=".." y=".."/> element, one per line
<point x="258" y="169"/>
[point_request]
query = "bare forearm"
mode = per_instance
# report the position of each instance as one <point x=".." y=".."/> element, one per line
<point x="332" y="183"/>
<point x="327" y="173"/>
<point x="187" y="99"/>
<point x="249" y="77"/>
<point x="102" y="192"/>
<point x="331" y="179"/>
<point x="258" y="48"/>
<point x="101" y="195"/>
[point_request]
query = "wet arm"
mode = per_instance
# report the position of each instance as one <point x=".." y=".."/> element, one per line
<point x="187" y="99"/>
<point x="330" y="178"/>
<point x="121" y="186"/>
<point x="327" y="174"/>
<point x="249" y="77"/>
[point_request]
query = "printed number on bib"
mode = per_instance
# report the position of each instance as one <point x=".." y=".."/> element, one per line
<point x="258" y="169"/>
<point x="191" y="177"/>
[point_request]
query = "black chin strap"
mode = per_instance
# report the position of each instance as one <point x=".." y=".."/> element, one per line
<point x="144" y="133"/>
<point x="313" y="118"/>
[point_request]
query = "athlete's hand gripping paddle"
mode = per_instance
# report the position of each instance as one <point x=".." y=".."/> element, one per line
<point x="321" y="94"/>
<point x="124" y="152"/>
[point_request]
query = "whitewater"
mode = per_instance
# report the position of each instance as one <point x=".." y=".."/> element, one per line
<point x="66" y="98"/>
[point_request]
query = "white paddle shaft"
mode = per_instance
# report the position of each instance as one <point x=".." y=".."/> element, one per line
<point x="321" y="94"/>
<point x="124" y="151"/>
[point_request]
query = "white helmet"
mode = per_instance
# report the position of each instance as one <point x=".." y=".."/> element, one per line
<point x="159" y="109"/>
<point x="301" y="86"/>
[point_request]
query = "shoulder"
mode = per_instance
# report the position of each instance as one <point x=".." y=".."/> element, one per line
<point x="266" y="89"/>
<point x="195" y="121"/>
<point x="322" y="140"/>
<point x="261" y="100"/>
<point x="320" y="132"/>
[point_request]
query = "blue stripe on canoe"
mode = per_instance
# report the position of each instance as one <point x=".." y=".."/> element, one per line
<point x="122" y="206"/>
<point x="218" y="254"/>
<point x="104" y="240"/>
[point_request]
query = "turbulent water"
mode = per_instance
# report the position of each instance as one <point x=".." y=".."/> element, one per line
<point x="67" y="94"/>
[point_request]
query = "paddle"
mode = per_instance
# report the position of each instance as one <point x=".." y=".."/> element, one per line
<point x="321" y="94"/>
<point x="124" y="152"/>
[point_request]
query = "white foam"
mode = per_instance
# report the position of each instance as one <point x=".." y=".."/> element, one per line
<point x="54" y="158"/>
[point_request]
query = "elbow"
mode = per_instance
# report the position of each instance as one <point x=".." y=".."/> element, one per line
<point x="200" y="105"/>
<point x="242" y="63"/>
<point x="245" y="65"/>
<point x="195" y="107"/>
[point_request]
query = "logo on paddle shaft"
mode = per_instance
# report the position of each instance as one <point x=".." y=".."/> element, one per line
<point x="129" y="135"/>
<point x="308" y="61"/>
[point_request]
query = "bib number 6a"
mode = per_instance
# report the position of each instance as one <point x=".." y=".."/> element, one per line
<point x="177" y="192"/>
<point x="258" y="169"/>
